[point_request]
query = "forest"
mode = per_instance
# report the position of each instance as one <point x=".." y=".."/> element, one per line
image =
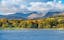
<point x="50" y="22"/>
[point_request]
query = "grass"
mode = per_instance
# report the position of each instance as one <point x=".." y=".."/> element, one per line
<point x="16" y="28"/>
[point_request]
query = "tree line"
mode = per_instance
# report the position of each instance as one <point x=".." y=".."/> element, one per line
<point x="50" y="22"/>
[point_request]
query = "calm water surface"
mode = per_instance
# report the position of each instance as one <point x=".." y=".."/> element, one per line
<point x="31" y="34"/>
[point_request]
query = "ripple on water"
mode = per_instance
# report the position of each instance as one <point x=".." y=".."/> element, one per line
<point x="32" y="34"/>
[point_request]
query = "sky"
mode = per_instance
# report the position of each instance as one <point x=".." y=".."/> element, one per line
<point x="13" y="6"/>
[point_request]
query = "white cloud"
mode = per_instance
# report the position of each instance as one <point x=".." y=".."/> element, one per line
<point x="13" y="6"/>
<point x="23" y="6"/>
<point x="39" y="6"/>
<point x="59" y="1"/>
<point x="44" y="8"/>
<point x="7" y="13"/>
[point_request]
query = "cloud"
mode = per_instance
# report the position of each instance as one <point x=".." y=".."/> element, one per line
<point x="60" y="2"/>
<point x="42" y="6"/>
<point x="13" y="6"/>
<point x="45" y="7"/>
<point x="38" y="6"/>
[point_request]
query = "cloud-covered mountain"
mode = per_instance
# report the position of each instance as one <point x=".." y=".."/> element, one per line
<point x="19" y="15"/>
<point x="31" y="15"/>
<point x="48" y="14"/>
<point x="30" y="9"/>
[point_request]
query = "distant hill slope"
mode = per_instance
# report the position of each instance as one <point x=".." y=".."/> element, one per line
<point x="49" y="14"/>
<point x="25" y="16"/>
<point x="17" y="15"/>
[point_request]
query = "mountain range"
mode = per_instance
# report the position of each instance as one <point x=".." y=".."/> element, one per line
<point x="21" y="15"/>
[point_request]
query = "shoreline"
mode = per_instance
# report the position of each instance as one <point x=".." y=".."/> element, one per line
<point x="31" y="28"/>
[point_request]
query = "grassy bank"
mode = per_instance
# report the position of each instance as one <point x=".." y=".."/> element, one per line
<point x="31" y="28"/>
